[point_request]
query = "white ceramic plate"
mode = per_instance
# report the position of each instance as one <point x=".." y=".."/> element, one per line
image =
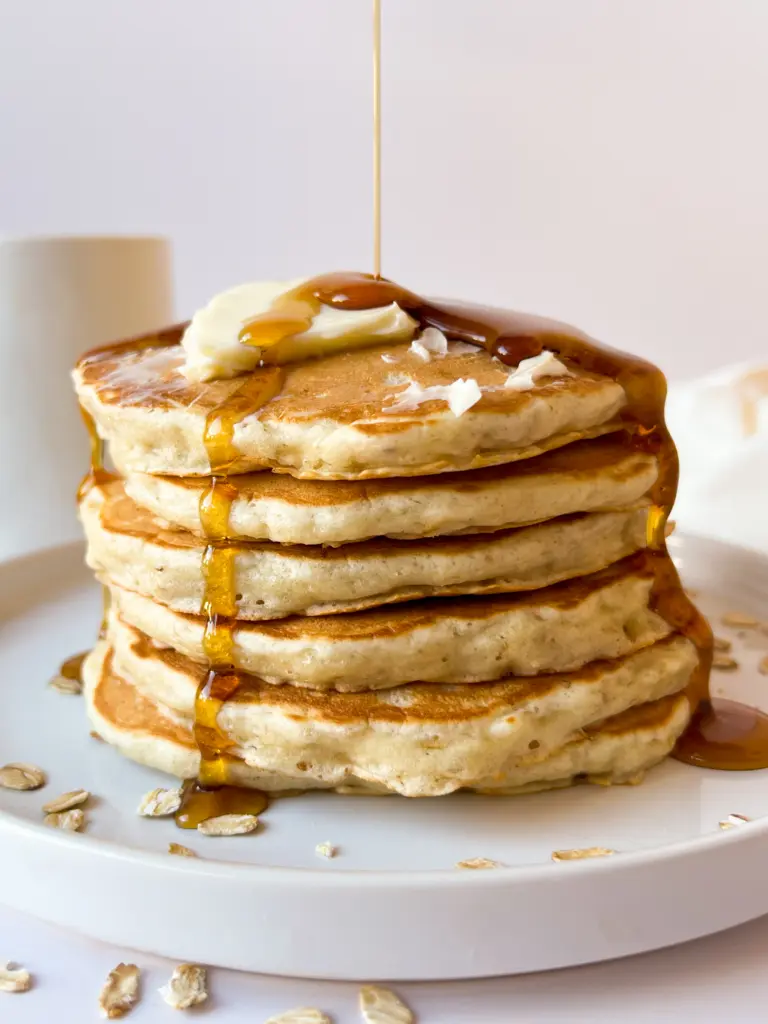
<point x="391" y="904"/>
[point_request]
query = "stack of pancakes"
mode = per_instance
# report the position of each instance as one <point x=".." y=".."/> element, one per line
<point x="425" y="601"/>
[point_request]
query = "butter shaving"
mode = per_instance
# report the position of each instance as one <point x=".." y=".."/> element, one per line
<point x="430" y="342"/>
<point x="417" y="349"/>
<point x="460" y="396"/>
<point x="527" y="372"/>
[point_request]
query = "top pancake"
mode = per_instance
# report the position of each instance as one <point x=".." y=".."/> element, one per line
<point x="330" y="417"/>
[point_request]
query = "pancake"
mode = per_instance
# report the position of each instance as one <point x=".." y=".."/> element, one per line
<point x="443" y="640"/>
<point x="330" y="418"/>
<point x="583" y="477"/>
<point x="422" y="740"/>
<point x="130" y="548"/>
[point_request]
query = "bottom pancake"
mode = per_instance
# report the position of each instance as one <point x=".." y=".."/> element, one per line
<point x="420" y="740"/>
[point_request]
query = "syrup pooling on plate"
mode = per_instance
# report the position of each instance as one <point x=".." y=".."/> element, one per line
<point x="198" y="804"/>
<point x="727" y="735"/>
<point x="72" y="668"/>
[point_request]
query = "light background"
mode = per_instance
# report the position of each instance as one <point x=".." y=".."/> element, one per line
<point x="604" y="161"/>
<point x="600" y="160"/>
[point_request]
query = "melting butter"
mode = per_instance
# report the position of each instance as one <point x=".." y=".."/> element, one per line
<point x="213" y="348"/>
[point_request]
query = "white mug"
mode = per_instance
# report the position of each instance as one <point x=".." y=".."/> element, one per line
<point x="59" y="297"/>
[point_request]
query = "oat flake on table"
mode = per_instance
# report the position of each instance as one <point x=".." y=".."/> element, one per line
<point x="301" y="1015"/>
<point x="187" y="987"/>
<point x="13" y="978"/>
<point x="121" y="991"/>
<point x="381" y="1006"/>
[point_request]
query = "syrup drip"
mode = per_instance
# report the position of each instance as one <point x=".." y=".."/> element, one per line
<point x="255" y="391"/>
<point x="212" y="794"/>
<point x="96" y="474"/>
<point x="72" y="668"/>
<point x="106" y="603"/>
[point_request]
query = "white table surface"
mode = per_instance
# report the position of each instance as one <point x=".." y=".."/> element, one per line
<point x="719" y="978"/>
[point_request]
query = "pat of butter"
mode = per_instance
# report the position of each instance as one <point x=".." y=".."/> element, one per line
<point x="213" y="349"/>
